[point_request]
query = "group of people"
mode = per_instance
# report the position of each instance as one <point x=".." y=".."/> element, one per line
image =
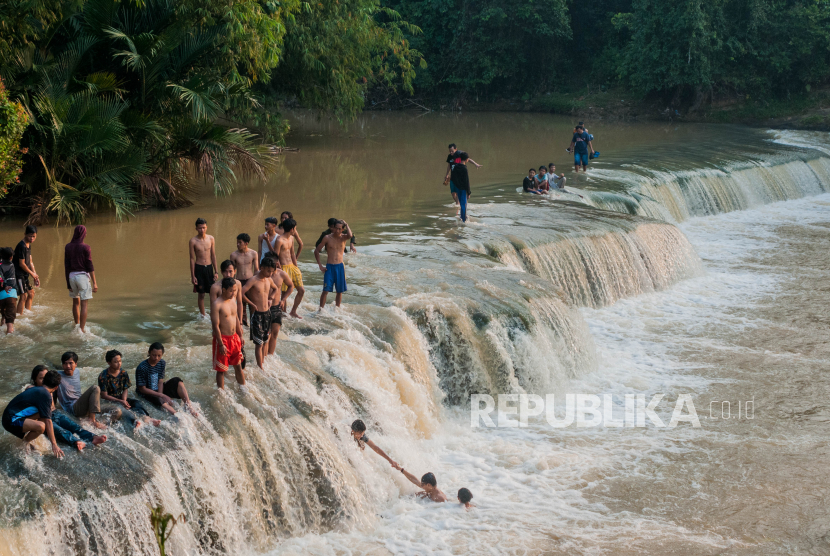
<point x="253" y="291"/>
<point x="427" y="482"/>
<point x="53" y="400"/>
<point x="260" y="284"/>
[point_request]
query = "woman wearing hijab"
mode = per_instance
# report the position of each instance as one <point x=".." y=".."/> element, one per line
<point x="80" y="275"/>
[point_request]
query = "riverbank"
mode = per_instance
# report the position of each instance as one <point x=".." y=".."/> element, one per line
<point x="808" y="111"/>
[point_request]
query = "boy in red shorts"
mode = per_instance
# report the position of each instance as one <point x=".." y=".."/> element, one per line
<point x="227" y="335"/>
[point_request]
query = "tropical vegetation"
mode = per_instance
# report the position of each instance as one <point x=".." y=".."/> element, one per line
<point x="138" y="102"/>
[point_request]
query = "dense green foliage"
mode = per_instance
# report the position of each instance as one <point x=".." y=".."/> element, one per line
<point x="13" y="122"/>
<point x="685" y="50"/>
<point x="129" y="98"/>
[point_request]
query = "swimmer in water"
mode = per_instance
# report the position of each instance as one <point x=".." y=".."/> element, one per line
<point x="464" y="497"/>
<point x="428" y="482"/>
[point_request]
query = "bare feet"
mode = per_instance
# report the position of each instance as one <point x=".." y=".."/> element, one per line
<point x="80" y="445"/>
<point x="193" y="411"/>
<point x="99" y="425"/>
<point x="295" y="315"/>
<point x="137" y="423"/>
<point x="100" y="439"/>
<point x="155" y="422"/>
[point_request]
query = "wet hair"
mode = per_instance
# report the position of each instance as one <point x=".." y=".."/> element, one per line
<point x="288" y="224"/>
<point x="69" y="355"/>
<point x="268" y="262"/>
<point x="551" y="164"/>
<point x="580" y="127"/>
<point x="543" y="167"/>
<point x="156" y="345"/>
<point x="225" y="264"/>
<point x="272" y="220"/>
<point x="243" y="237"/>
<point x="111" y="354"/>
<point x="52" y="379"/>
<point x="429" y="479"/>
<point x="200" y="221"/>
<point x="36" y="371"/>
<point x="340" y="223"/>
<point x="30" y="229"/>
<point x="531" y="170"/>
<point x="333" y="222"/>
<point x="6" y="253"/>
<point x="228" y="283"/>
<point x="358" y="426"/>
<point x="464" y="156"/>
<point x="287" y="213"/>
<point x="452" y="146"/>
<point x="464" y="495"/>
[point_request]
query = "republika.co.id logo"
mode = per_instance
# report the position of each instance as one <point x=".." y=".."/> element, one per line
<point x="589" y="410"/>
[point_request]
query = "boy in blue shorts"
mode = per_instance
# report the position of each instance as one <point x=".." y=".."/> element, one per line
<point x="335" y="272"/>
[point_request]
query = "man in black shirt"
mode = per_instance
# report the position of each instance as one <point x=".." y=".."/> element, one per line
<point x="462" y="183"/>
<point x="332" y="223"/>
<point x="24" y="269"/>
<point x="452" y="159"/>
<point x="529" y="183"/>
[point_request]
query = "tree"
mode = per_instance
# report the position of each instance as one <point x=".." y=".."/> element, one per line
<point x="13" y="122"/>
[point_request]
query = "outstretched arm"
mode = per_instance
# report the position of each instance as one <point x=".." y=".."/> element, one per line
<point x="380" y="452"/>
<point x="474" y="163"/>
<point x="412" y="478"/>
<point x="348" y="233"/>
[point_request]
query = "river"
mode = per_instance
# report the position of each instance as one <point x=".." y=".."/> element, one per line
<point x="694" y="263"/>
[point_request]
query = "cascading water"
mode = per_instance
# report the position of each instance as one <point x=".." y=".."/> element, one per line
<point x="493" y="308"/>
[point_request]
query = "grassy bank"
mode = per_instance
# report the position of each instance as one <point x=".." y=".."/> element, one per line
<point x="810" y="110"/>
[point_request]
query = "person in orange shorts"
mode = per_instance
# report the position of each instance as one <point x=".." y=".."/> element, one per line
<point x="227" y="335"/>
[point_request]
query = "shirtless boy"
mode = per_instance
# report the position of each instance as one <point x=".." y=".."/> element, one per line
<point x="202" y="262"/>
<point x="228" y="271"/>
<point x="335" y="271"/>
<point x="247" y="264"/>
<point x="257" y="293"/>
<point x="227" y="335"/>
<point x="293" y="233"/>
<point x="288" y="262"/>
<point x="279" y="278"/>
<point x="428" y="482"/>
<point x="268" y="240"/>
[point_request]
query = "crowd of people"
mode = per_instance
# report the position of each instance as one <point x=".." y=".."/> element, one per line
<point x="253" y="291"/>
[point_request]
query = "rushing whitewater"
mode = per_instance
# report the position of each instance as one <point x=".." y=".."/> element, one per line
<point x="605" y="295"/>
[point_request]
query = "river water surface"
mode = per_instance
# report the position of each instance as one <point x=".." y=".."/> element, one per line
<point x="694" y="263"/>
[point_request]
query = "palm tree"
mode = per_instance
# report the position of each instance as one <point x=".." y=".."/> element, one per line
<point x="124" y="109"/>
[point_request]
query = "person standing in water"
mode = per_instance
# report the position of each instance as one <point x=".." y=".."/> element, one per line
<point x="257" y="293"/>
<point x="228" y="271"/>
<point x="332" y="223"/>
<point x="293" y="233"/>
<point x="227" y="336"/>
<point x="280" y="278"/>
<point x="203" y="265"/>
<point x="8" y="290"/>
<point x="580" y="145"/>
<point x="267" y="241"/>
<point x="247" y="264"/>
<point x="335" y="271"/>
<point x="452" y="159"/>
<point x="359" y="435"/>
<point x="462" y="183"/>
<point x="24" y="270"/>
<point x="80" y="275"/>
<point x="288" y="262"/>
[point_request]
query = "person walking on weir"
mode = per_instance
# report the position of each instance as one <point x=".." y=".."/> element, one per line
<point x="80" y="275"/>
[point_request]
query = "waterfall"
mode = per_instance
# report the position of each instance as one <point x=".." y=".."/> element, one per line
<point x="676" y="196"/>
